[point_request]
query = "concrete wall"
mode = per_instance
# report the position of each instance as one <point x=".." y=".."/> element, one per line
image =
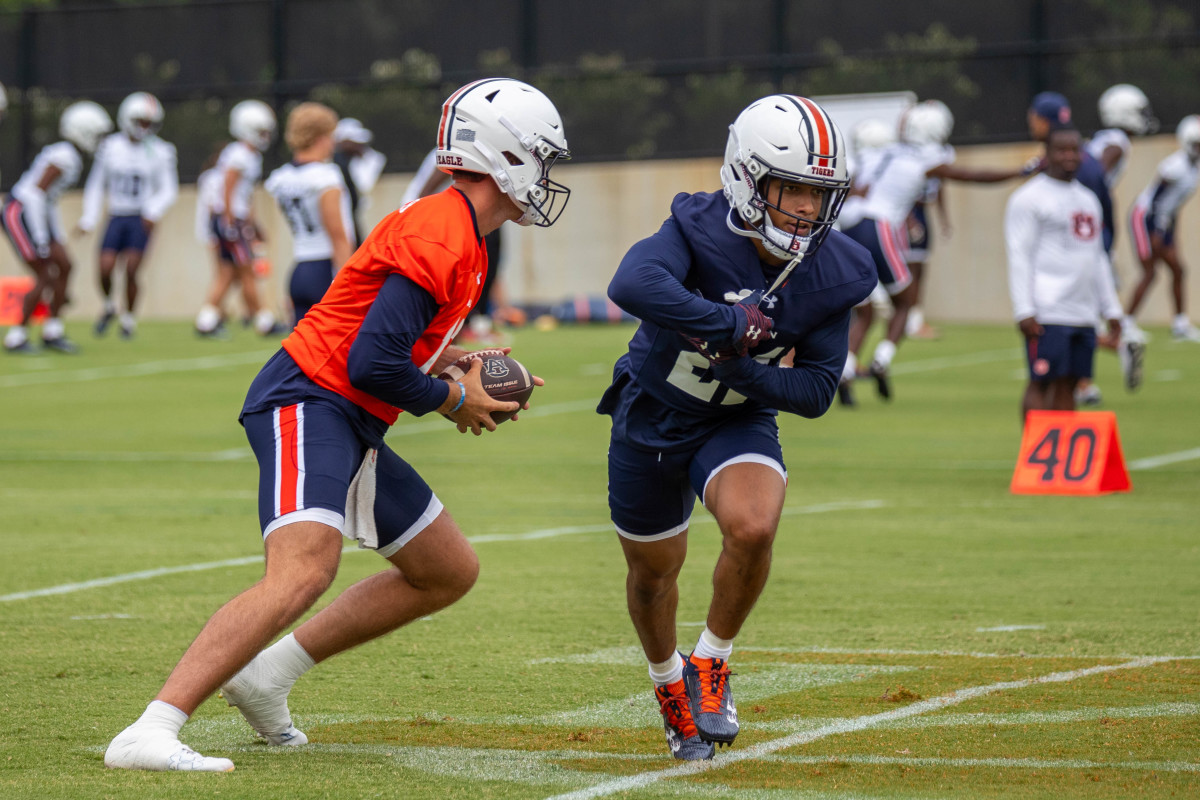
<point x="614" y="205"/>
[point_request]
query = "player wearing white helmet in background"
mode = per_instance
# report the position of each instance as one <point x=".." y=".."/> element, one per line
<point x="1155" y="213"/>
<point x="32" y="222"/>
<point x="313" y="198"/>
<point x="252" y="125"/>
<point x="1124" y="112"/>
<point x="894" y="187"/>
<point x="317" y="413"/>
<point x="136" y="173"/>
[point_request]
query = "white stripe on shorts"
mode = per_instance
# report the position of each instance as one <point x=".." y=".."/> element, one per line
<point x="746" y="458"/>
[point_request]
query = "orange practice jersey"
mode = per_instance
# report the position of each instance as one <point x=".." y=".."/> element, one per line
<point x="433" y="242"/>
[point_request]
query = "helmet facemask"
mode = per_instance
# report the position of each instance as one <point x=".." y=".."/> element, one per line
<point x="789" y="241"/>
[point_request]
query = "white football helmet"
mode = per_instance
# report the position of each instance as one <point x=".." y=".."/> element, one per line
<point x="1188" y="134"/>
<point x="84" y="124"/>
<point x="790" y="138"/>
<point x="253" y="121"/>
<point x="871" y="134"/>
<point x="511" y="131"/>
<point x="1127" y="107"/>
<point x="929" y="122"/>
<point x="140" y="115"/>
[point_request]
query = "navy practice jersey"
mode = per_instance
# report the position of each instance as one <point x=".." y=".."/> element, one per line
<point x="684" y="280"/>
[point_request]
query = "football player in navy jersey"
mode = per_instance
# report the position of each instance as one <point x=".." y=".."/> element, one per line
<point x="731" y="290"/>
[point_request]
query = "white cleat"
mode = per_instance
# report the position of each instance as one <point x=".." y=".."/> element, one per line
<point x="264" y="704"/>
<point x="144" y="747"/>
<point x="1185" y="333"/>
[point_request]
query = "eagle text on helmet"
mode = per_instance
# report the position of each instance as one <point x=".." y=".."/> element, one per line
<point x="511" y="131"/>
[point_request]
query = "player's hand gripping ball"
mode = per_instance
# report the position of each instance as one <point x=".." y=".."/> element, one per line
<point x="503" y="378"/>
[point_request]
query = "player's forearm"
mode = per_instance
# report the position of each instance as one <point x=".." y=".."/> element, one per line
<point x="381" y="365"/>
<point x="807" y="389"/>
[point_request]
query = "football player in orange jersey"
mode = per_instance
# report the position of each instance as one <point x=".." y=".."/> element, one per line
<point x="316" y="416"/>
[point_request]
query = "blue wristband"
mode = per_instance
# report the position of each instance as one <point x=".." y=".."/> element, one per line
<point x="462" y="396"/>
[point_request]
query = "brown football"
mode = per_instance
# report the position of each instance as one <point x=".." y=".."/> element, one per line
<point x="503" y="377"/>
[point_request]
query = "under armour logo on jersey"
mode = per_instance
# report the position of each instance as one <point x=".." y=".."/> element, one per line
<point x="739" y="296"/>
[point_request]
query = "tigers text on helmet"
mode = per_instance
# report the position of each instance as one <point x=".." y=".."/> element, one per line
<point x="83" y="124"/>
<point x="792" y="140"/>
<point x="1126" y="107"/>
<point x="253" y="121"/>
<point x="928" y="122"/>
<point x="1188" y="134"/>
<point x="511" y="131"/>
<point x="140" y="115"/>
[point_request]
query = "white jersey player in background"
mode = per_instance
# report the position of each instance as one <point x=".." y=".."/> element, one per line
<point x="314" y="199"/>
<point x="1058" y="275"/>
<point x="891" y="190"/>
<point x="32" y="222"/>
<point x="252" y="125"/>
<point x="136" y="172"/>
<point x="1124" y="112"/>
<point x="1155" y="213"/>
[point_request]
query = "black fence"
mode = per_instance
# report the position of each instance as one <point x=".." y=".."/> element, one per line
<point x="632" y="79"/>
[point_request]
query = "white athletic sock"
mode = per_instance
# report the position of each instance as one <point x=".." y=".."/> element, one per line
<point x="712" y="646"/>
<point x="208" y="319"/>
<point x="915" y="321"/>
<point x="110" y="307"/>
<point x="16" y="336"/>
<point x="668" y="671"/>
<point x="164" y="716"/>
<point x="1181" y="322"/>
<point x="885" y="351"/>
<point x="287" y="659"/>
<point x="850" y="371"/>
<point x="127" y="321"/>
<point x="264" y="320"/>
<point x="53" y="328"/>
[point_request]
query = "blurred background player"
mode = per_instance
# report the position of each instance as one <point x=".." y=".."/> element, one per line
<point x="32" y="222"/>
<point x="1155" y="213"/>
<point x="898" y="181"/>
<point x="252" y="125"/>
<point x="1124" y="111"/>
<point x="316" y="416"/>
<point x="360" y="164"/>
<point x="314" y="199"/>
<point x="493" y="304"/>
<point x="694" y="401"/>
<point x="1059" y="276"/>
<point x="136" y="172"/>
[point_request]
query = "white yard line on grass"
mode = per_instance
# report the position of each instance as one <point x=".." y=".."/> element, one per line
<point x="1167" y="458"/>
<point x="1003" y="763"/>
<point x="842" y="726"/>
<point x="136" y="370"/>
<point x="545" y="533"/>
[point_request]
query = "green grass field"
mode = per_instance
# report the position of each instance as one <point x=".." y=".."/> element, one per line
<point x="925" y="633"/>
